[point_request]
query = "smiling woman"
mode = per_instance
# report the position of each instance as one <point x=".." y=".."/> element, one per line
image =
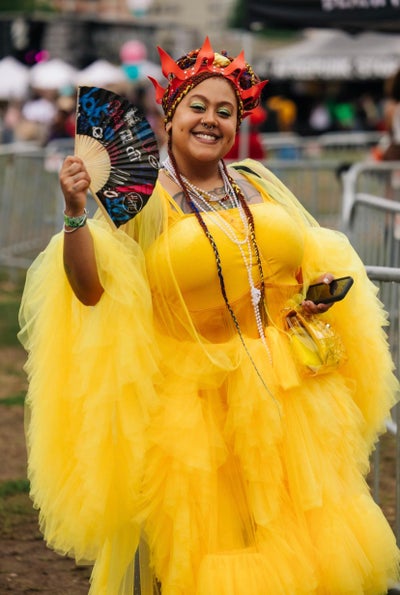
<point x="203" y="129"/>
<point x="175" y="438"/>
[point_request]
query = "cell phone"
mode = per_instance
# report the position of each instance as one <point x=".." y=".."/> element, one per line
<point x="326" y="293"/>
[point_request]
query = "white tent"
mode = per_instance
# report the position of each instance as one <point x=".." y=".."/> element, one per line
<point x="333" y="54"/>
<point x="100" y="73"/>
<point x="14" y="79"/>
<point x="52" y="75"/>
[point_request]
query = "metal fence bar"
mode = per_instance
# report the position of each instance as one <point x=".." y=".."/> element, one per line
<point x="31" y="202"/>
<point x="380" y="179"/>
<point x="351" y="146"/>
<point x="371" y="212"/>
<point x="29" y="206"/>
<point x="370" y="218"/>
<point x="316" y="183"/>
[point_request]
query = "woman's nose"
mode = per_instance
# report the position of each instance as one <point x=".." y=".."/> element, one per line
<point x="208" y="122"/>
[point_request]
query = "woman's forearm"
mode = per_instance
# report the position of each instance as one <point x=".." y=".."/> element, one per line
<point x="80" y="266"/>
<point x="79" y="255"/>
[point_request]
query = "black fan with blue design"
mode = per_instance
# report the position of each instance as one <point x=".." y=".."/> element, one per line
<point x="120" y="152"/>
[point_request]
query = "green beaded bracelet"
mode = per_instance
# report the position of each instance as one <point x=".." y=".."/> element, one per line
<point x="76" y="222"/>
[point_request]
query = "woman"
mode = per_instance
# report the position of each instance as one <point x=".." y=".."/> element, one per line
<point x="167" y="409"/>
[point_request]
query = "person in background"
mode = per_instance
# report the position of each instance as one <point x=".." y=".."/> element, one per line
<point x="37" y="114"/>
<point x="171" y="410"/>
<point x="392" y="119"/>
<point x="62" y="125"/>
<point x="255" y="147"/>
<point x="286" y="111"/>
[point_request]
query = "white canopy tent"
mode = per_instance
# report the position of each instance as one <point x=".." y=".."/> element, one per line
<point x="100" y="73"/>
<point x="333" y="54"/>
<point x="14" y="79"/>
<point x="52" y="75"/>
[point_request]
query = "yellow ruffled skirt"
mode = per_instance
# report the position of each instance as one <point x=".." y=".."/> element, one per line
<point x="235" y="476"/>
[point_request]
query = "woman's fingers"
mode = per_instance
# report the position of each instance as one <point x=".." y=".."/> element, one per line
<point x="75" y="181"/>
<point x="310" y="307"/>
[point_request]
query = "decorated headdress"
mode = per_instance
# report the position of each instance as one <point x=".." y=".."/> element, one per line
<point x="194" y="67"/>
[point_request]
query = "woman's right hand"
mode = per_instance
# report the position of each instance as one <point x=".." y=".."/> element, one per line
<point x="75" y="182"/>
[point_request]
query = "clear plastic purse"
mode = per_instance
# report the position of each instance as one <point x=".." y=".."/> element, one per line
<point x="316" y="347"/>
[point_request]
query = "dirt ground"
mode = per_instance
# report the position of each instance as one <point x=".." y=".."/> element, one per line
<point x="26" y="564"/>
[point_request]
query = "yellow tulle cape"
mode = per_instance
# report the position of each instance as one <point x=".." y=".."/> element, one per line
<point x="231" y="475"/>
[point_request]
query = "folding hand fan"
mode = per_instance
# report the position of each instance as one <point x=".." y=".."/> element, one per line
<point x="119" y="150"/>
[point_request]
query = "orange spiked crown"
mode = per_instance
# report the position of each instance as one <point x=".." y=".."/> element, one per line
<point x="194" y="67"/>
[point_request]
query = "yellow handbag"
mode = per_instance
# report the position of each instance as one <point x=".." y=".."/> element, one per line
<point x="316" y="347"/>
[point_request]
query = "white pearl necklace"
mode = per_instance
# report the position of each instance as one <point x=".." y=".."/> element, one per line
<point x="204" y="193"/>
<point x="203" y="206"/>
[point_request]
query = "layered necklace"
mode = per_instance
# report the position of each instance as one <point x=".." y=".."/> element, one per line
<point x="202" y="201"/>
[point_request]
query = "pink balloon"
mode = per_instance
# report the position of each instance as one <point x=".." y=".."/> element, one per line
<point x="132" y="51"/>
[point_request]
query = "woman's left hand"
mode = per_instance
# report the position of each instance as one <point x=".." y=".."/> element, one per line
<point x="310" y="307"/>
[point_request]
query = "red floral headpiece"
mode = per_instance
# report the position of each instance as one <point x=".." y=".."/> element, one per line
<point x="197" y="65"/>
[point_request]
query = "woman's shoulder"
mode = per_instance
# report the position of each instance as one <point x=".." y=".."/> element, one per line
<point x="271" y="186"/>
<point x="255" y="173"/>
<point x="248" y="166"/>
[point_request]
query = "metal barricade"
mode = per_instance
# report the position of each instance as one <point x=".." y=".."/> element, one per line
<point x="345" y="146"/>
<point x="31" y="202"/>
<point x="371" y="212"/>
<point x="316" y="183"/>
<point x="351" y="146"/>
<point x="371" y="218"/>
<point x="30" y="206"/>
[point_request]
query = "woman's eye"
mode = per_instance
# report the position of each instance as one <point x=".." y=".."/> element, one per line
<point x="225" y="112"/>
<point x="199" y="107"/>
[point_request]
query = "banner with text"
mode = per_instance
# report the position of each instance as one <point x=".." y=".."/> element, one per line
<point x="349" y="15"/>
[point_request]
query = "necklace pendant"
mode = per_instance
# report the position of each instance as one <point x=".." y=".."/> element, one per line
<point x="255" y="296"/>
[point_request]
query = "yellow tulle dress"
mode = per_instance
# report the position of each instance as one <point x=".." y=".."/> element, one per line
<point x="163" y="442"/>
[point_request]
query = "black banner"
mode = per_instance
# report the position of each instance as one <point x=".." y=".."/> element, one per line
<point x="348" y="15"/>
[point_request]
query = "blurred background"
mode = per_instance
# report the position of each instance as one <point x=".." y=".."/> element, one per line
<point x="331" y="78"/>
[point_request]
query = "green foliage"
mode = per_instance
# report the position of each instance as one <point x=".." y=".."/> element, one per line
<point x="11" y="286"/>
<point x="237" y="18"/>
<point x="17" y="5"/>
<point x="14" y="486"/>
<point x="16" y="508"/>
<point x="26" y="6"/>
<point x="9" y="323"/>
<point x="18" y="399"/>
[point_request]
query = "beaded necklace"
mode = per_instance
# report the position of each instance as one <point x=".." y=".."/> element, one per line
<point x="244" y="244"/>
<point x="211" y="197"/>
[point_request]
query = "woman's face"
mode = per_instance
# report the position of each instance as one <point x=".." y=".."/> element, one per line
<point x="204" y="124"/>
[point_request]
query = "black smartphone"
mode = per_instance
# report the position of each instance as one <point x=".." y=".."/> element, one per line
<point x="326" y="293"/>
